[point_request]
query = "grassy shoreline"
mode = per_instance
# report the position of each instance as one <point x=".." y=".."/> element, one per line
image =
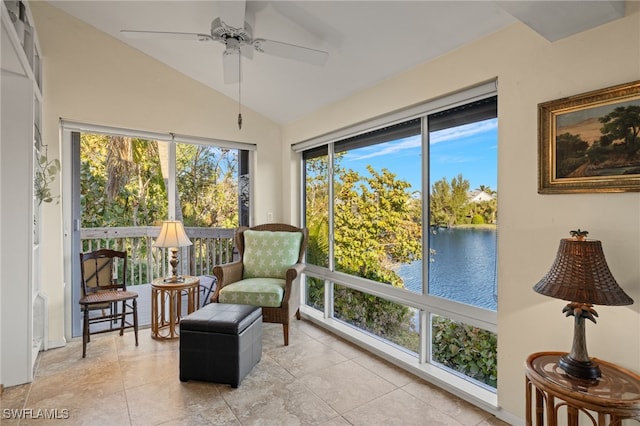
<point x="477" y="226"/>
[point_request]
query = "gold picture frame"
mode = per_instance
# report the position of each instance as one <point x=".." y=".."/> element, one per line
<point x="590" y="142"/>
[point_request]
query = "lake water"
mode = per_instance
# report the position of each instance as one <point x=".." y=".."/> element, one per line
<point x="463" y="268"/>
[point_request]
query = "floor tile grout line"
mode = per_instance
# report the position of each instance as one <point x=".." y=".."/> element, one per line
<point x="124" y="354"/>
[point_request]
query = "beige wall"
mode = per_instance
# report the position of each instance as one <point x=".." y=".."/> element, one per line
<point x="529" y="70"/>
<point x="93" y="78"/>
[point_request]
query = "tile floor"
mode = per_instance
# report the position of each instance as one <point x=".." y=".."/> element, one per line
<point x="318" y="379"/>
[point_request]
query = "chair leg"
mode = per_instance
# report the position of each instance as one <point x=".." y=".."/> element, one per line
<point x="135" y="319"/>
<point x="285" y="330"/>
<point x="122" y="317"/>
<point x="85" y="332"/>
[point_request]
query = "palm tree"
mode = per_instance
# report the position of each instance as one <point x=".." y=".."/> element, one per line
<point x="486" y="189"/>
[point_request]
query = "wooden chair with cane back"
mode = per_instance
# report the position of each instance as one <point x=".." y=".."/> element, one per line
<point x="105" y="298"/>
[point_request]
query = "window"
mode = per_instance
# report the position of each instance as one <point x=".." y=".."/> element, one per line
<point x="207" y="179"/>
<point x="126" y="182"/>
<point x="402" y="222"/>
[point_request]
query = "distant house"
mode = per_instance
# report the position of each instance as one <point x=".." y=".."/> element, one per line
<point x="478" y="196"/>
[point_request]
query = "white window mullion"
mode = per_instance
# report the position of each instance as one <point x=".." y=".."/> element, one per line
<point x="172" y="188"/>
<point x="330" y="207"/>
<point x="328" y="298"/>
<point x="425" y="337"/>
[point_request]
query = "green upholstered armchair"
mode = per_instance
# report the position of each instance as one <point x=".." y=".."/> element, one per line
<point x="265" y="275"/>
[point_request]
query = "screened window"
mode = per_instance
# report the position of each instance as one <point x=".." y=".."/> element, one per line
<point x="124" y="183"/>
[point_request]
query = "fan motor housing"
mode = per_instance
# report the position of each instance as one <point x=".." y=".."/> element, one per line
<point x="222" y="31"/>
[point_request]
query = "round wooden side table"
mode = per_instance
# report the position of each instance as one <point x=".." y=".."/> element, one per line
<point x="166" y="305"/>
<point x="606" y="401"/>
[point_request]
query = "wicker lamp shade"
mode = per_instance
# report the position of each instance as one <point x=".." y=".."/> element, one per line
<point x="580" y="274"/>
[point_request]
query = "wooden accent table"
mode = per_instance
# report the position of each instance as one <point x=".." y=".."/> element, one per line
<point x="166" y="305"/>
<point x="616" y="395"/>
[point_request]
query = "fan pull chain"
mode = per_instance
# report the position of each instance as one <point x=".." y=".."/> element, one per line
<point x="239" y="91"/>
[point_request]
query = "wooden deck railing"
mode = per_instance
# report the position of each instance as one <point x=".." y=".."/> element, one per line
<point x="211" y="246"/>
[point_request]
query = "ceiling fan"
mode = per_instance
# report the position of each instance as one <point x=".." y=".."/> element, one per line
<point x="231" y="30"/>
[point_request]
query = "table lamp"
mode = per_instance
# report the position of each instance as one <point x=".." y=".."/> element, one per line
<point x="580" y="275"/>
<point x="172" y="236"/>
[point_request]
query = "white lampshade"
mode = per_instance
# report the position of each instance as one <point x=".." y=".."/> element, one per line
<point x="172" y="235"/>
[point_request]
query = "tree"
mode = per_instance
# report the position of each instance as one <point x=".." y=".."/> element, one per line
<point x="374" y="225"/>
<point x="317" y="210"/>
<point x="486" y="189"/>
<point x="570" y="153"/>
<point x="121" y="183"/>
<point x="448" y="204"/>
<point x="207" y="185"/>
<point x="377" y="226"/>
<point x="623" y="123"/>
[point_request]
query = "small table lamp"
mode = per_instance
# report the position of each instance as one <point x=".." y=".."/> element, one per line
<point x="580" y="275"/>
<point x="172" y="236"/>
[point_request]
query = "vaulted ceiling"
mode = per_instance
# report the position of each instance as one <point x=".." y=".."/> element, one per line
<point x="367" y="41"/>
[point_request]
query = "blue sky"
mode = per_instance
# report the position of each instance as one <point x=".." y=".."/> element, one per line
<point x="470" y="150"/>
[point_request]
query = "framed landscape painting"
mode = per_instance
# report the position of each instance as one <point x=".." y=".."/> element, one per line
<point x="590" y="142"/>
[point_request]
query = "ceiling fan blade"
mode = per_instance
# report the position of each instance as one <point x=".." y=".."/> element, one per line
<point x="247" y="51"/>
<point x="232" y="12"/>
<point x="166" y="35"/>
<point x="291" y="51"/>
<point x="231" y="66"/>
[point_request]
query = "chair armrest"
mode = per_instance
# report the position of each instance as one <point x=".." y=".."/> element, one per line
<point x="226" y="274"/>
<point x="291" y="275"/>
<point x="294" y="271"/>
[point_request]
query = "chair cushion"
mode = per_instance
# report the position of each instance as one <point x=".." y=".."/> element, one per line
<point x="254" y="291"/>
<point x="270" y="253"/>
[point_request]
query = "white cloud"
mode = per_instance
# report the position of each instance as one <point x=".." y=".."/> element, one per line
<point x="412" y="142"/>
<point x="388" y="148"/>
<point x="464" y="131"/>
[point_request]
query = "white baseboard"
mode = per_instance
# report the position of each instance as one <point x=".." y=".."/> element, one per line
<point x="52" y="344"/>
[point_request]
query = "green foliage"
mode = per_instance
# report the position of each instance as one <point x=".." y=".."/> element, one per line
<point x="315" y="293"/>
<point x="477" y="219"/>
<point x="469" y="350"/>
<point x="623" y="123"/>
<point x="618" y="145"/>
<point x="207" y="184"/>
<point x="570" y="152"/>
<point x="374" y="225"/>
<point x="378" y="225"/>
<point x="448" y="203"/>
<point x="45" y="174"/>
<point x="123" y="183"/>
<point x="378" y="316"/>
<point x="120" y="182"/>
<point x="483" y="212"/>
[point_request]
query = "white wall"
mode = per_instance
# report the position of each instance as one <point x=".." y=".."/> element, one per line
<point x="530" y="70"/>
<point x="93" y="78"/>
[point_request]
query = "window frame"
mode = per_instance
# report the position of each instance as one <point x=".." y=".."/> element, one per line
<point x="70" y="137"/>
<point x="425" y="303"/>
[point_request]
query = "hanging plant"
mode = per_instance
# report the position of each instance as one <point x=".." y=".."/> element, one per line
<point x="45" y="174"/>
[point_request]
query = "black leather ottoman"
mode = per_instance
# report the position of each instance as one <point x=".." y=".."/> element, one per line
<point x="220" y="343"/>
